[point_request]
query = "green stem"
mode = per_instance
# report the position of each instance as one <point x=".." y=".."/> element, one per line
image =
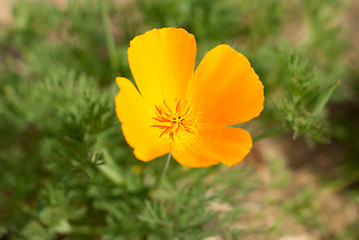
<point x="159" y="181"/>
<point x="110" y="169"/>
<point x="110" y="42"/>
<point x="269" y="133"/>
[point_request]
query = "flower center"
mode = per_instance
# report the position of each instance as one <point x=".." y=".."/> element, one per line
<point x="177" y="122"/>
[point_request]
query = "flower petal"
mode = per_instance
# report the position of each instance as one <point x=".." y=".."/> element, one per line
<point x="162" y="63"/>
<point x="227" y="145"/>
<point x="225" y="88"/>
<point x="136" y="118"/>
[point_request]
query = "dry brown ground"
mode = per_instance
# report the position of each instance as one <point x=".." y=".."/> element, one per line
<point x="331" y="210"/>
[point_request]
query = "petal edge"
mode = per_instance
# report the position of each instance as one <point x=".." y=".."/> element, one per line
<point x="227" y="145"/>
<point x="162" y="63"/>
<point x="136" y="118"/>
<point x="225" y="88"/>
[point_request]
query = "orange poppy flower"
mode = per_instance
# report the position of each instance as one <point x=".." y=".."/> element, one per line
<point x="187" y="112"/>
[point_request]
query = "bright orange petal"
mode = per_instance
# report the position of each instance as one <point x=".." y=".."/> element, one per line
<point x="162" y="63"/>
<point x="225" y="88"/>
<point x="227" y="145"/>
<point x="136" y="118"/>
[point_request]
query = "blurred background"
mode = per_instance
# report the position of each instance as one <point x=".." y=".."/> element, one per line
<point x="66" y="171"/>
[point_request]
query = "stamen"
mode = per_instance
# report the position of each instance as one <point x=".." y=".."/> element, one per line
<point x="175" y="122"/>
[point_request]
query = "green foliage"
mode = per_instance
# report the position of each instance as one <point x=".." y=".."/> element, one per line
<point x="66" y="171"/>
<point x="304" y="99"/>
<point x="199" y="17"/>
<point x="302" y="77"/>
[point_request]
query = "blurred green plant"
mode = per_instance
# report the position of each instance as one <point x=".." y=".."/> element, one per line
<point x="66" y="171"/>
<point x="305" y="99"/>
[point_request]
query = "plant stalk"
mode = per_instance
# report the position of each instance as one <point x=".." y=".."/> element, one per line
<point x="110" y="41"/>
<point x="164" y="172"/>
<point x="270" y="133"/>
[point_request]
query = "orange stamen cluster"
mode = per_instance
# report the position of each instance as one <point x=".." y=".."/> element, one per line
<point x="176" y="121"/>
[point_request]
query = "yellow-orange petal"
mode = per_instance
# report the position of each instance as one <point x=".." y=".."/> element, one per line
<point x="225" y="88"/>
<point x="162" y="63"/>
<point x="227" y="145"/>
<point x="136" y="118"/>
